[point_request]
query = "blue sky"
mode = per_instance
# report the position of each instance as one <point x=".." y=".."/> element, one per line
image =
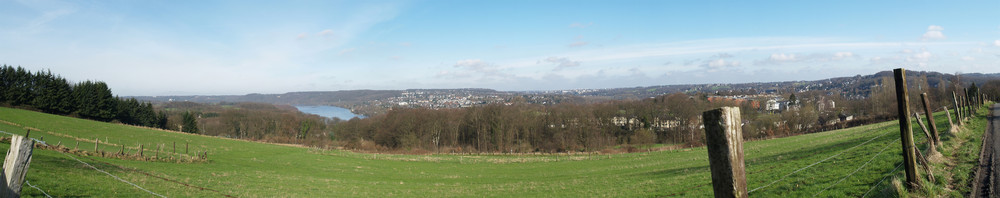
<point x="241" y="47"/>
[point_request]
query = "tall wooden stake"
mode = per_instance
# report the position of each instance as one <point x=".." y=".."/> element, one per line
<point x="725" y="151"/>
<point x="15" y="166"/>
<point x="930" y="118"/>
<point x="951" y="124"/>
<point x="930" y="138"/>
<point x="905" y="130"/>
<point x="958" y="111"/>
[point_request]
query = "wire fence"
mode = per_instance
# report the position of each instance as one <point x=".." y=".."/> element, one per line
<point x="88" y="165"/>
<point x="858" y="169"/>
<point x="817" y="162"/>
<point x="849" y="175"/>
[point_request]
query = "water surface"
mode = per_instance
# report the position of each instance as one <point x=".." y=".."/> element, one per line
<point x="329" y="112"/>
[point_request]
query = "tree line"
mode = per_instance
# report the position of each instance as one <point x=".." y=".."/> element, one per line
<point x="666" y="119"/>
<point x="250" y="121"/>
<point x="50" y="93"/>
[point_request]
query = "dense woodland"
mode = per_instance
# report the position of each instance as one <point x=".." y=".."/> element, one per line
<point x="46" y="92"/>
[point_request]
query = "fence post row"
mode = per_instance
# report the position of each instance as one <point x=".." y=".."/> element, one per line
<point x="930" y="118"/>
<point x="725" y="151"/>
<point x="905" y="130"/>
<point x="15" y="166"/>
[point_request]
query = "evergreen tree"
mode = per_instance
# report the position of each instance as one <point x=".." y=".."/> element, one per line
<point x="161" y="120"/>
<point x="94" y="100"/>
<point x="190" y="124"/>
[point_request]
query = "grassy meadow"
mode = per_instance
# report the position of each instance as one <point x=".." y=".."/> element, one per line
<point x="856" y="159"/>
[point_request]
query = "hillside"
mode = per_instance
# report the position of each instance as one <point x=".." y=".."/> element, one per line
<point x="794" y="166"/>
<point x="370" y="102"/>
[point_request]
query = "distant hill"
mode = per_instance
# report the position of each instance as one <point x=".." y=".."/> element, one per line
<point x="373" y="101"/>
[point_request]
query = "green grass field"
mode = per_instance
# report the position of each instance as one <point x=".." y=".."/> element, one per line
<point x="855" y="160"/>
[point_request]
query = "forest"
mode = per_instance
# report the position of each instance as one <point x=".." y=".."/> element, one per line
<point x="50" y="93"/>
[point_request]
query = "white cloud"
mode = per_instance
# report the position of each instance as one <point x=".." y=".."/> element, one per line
<point x="302" y="36"/>
<point x="326" y="32"/>
<point x="842" y="55"/>
<point x="719" y="64"/>
<point x="968" y="58"/>
<point x="934" y="33"/>
<point x="996" y="43"/>
<point x="782" y="57"/>
<point x="920" y="57"/>
<point x="578" y="44"/>
<point x="471" y="63"/>
<point x="562" y="62"/>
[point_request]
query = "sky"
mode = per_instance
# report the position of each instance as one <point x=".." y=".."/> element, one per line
<point x="150" y="48"/>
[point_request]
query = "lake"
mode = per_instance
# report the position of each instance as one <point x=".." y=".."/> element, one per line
<point x="329" y="112"/>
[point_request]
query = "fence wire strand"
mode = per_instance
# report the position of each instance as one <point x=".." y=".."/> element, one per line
<point x="856" y="170"/>
<point x="893" y="172"/>
<point x="95" y="168"/>
<point x="818" y="162"/>
<point x="36" y="188"/>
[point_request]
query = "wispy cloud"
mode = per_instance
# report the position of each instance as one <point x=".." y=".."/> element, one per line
<point x="578" y="44"/>
<point x="562" y="62"/>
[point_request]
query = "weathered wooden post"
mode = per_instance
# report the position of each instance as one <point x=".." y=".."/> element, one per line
<point x="958" y="109"/>
<point x="97" y="142"/>
<point x="930" y="118"/>
<point x="185" y="148"/>
<point x="951" y="124"/>
<point x="966" y="101"/>
<point x="175" y="147"/>
<point x="905" y="130"/>
<point x="930" y="138"/>
<point x="15" y="166"/>
<point x="725" y="151"/>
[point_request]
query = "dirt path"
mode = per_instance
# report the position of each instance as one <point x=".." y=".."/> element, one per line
<point x="988" y="174"/>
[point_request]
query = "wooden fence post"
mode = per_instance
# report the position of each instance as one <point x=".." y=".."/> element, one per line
<point x="725" y="151"/>
<point x="97" y="143"/>
<point x="966" y="101"/>
<point x="930" y="138"/>
<point x="905" y="130"/>
<point x="951" y="124"/>
<point x="958" y="109"/>
<point x="15" y="166"/>
<point x="930" y="118"/>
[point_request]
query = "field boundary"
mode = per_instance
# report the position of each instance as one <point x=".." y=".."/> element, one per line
<point x="95" y="168"/>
